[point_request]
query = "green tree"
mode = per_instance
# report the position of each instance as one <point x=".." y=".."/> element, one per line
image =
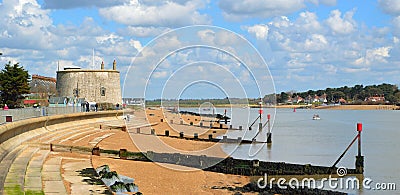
<point x="14" y="82"/>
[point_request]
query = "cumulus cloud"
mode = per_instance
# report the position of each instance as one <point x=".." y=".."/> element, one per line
<point x="140" y="31"/>
<point x="164" y="14"/>
<point x="306" y="48"/>
<point x="29" y="36"/>
<point x="259" y="30"/>
<point x="238" y="10"/>
<point x="339" y="25"/>
<point x="308" y="22"/>
<point x="70" y="4"/>
<point x="22" y="20"/>
<point x="375" y="56"/>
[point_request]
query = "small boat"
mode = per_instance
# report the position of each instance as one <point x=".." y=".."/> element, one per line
<point x="316" y="117"/>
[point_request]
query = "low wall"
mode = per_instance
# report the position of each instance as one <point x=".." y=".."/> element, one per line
<point x="26" y="113"/>
<point x="13" y="129"/>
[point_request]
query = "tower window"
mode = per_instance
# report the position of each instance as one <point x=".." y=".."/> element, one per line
<point x="103" y="91"/>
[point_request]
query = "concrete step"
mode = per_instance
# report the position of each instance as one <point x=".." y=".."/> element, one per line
<point x="33" y="174"/>
<point x="62" y="136"/>
<point x="6" y="163"/>
<point x="53" y="131"/>
<point x="97" y="140"/>
<point x="15" y="179"/>
<point x="51" y="176"/>
<point x="87" y="136"/>
<point x="78" y="135"/>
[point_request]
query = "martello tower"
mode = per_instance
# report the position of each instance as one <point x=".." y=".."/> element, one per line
<point x="102" y="86"/>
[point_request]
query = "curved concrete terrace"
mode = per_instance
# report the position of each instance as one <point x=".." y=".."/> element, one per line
<point x="28" y="166"/>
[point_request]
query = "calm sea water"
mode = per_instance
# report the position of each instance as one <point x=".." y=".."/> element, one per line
<point x="299" y="139"/>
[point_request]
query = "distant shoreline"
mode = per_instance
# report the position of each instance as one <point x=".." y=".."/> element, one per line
<point x="328" y="107"/>
<point x="346" y="107"/>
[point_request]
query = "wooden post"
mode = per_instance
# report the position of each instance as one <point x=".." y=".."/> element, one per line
<point x="96" y="151"/>
<point x="122" y="153"/>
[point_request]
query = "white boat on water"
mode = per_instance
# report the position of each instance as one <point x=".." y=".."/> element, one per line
<point x="316" y="117"/>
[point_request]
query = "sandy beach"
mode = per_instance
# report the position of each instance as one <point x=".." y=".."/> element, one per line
<point x="156" y="178"/>
<point x="360" y="107"/>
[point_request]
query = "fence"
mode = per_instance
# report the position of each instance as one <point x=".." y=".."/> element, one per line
<point x="25" y="113"/>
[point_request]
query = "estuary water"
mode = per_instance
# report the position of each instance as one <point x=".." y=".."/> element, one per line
<point x="296" y="138"/>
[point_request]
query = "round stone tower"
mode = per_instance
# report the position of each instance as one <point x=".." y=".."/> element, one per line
<point x="101" y="86"/>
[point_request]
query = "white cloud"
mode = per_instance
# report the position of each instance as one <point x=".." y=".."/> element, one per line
<point x="20" y="20"/>
<point x="375" y="56"/>
<point x="339" y="25"/>
<point x="308" y="22"/>
<point x="140" y="31"/>
<point x="29" y="36"/>
<point x="162" y="14"/>
<point x="259" y="30"/>
<point x="316" y="42"/>
<point x="245" y="9"/>
<point x="70" y="4"/>
<point x="238" y="10"/>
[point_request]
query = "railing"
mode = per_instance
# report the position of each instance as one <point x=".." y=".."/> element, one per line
<point x="25" y="113"/>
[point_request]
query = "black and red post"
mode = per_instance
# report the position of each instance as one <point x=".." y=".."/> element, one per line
<point x="269" y="134"/>
<point x="359" y="157"/>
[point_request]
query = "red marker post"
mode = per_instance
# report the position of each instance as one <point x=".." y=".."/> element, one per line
<point x="359" y="129"/>
<point x="359" y="157"/>
<point x="269" y="134"/>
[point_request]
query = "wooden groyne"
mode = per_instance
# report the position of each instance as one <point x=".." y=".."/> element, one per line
<point x="215" y="164"/>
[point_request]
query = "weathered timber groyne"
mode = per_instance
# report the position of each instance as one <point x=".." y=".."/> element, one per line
<point x="215" y="164"/>
<point x="240" y="166"/>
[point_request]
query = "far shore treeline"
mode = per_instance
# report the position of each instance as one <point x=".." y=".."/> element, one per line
<point x="357" y="95"/>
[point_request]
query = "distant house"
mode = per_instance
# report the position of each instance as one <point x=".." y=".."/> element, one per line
<point x="289" y="100"/>
<point x="376" y="98"/>
<point x="342" y="101"/>
<point x="316" y="98"/>
<point x="299" y="99"/>
<point x="308" y="99"/>
<point x="323" y="99"/>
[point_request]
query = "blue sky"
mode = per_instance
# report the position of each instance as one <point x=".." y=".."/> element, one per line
<point x="306" y="44"/>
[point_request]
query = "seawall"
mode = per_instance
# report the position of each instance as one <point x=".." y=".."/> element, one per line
<point x="10" y="130"/>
